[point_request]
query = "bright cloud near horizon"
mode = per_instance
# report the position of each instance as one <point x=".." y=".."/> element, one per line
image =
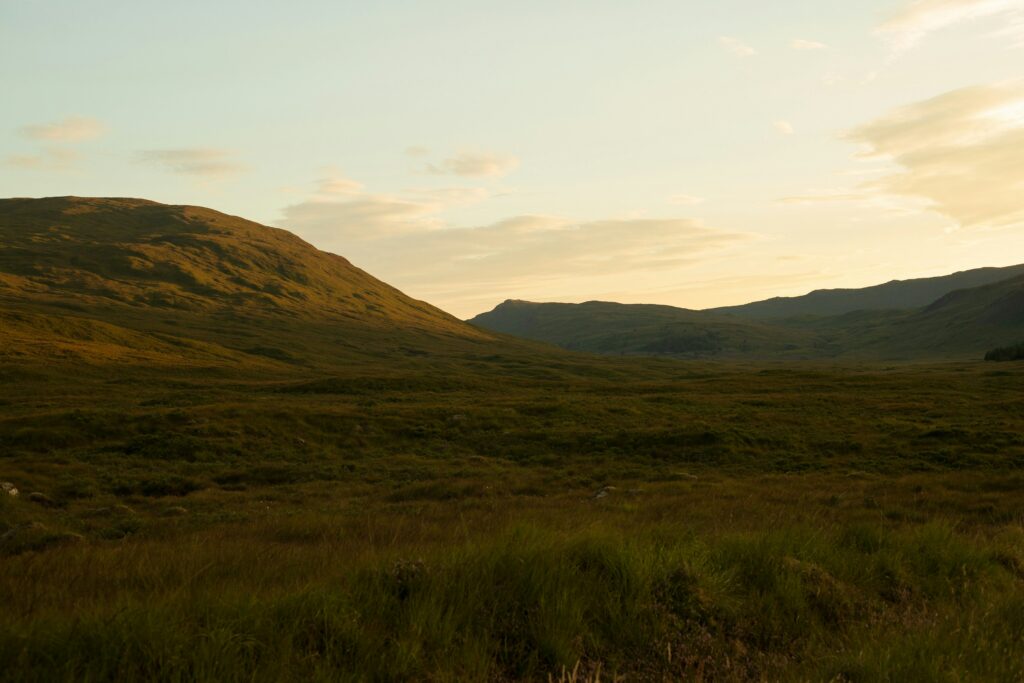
<point x="678" y="152"/>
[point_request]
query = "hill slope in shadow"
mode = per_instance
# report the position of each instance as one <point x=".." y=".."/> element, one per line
<point x="960" y="324"/>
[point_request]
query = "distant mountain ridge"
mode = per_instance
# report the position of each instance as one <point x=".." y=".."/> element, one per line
<point x="958" y="323"/>
<point x="608" y="327"/>
<point x="894" y="295"/>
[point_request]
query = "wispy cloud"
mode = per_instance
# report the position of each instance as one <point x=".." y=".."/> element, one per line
<point x="59" y="153"/>
<point x="736" y="46"/>
<point x="784" y="127"/>
<point x="475" y="165"/>
<point x="685" y="200"/>
<point x="825" y="197"/>
<point x="197" y="161"/>
<point x="523" y="251"/>
<point x="49" y="159"/>
<point x="71" y="129"/>
<point x="334" y="183"/>
<point x="407" y="240"/>
<point x="449" y="196"/>
<point x="801" y="44"/>
<point x="960" y="151"/>
<point x="915" y="22"/>
<point x="417" y="151"/>
<point x="341" y="210"/>
<point x="364" y="217"/>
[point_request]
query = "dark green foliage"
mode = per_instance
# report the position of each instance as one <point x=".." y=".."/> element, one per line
<point x="1005" y="353"/>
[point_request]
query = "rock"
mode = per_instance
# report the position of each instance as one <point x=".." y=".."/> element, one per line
<point x="604" y="492"/>
<point x="8" y="488"/>
<point x="41" y="499"/>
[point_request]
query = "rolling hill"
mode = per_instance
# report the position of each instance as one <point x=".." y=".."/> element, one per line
<point x="895" y="295"/>
<point x="107" y="280"/>
<point x="607" y="327"/>
<point x="128" y="279"/>
<point x="960" y="324"/>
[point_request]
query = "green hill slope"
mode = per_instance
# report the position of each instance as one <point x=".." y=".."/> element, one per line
<point x="122" y="279"/>
<point x="606" y="327"/>
<point x="961" y="324"/>
<point x="895" y="295"/>
<point x="965" y="322"/>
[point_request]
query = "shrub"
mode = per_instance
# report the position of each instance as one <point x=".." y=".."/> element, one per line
<point x="1015" y="352"/>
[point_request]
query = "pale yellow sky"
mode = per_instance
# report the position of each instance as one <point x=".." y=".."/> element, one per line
<point x="688" y="153"/>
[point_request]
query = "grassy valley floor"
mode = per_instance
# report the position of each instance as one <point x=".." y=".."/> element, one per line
<point x="620" y="520"/>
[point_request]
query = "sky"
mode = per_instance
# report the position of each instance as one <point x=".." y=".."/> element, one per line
<point x="697" y="154"/>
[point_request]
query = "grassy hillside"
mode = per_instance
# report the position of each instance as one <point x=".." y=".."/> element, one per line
<point x="895" y="295"/>
<point x="136" y="253"/>
<point x="229" y="483"/>
<point x="965" y="323"/>
<point x="961" y="324"/>
<point x="606" y="327"/>
<point x="104" y="279"/>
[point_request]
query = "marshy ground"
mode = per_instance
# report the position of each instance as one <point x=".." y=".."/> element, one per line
<point x="653" y="520"/>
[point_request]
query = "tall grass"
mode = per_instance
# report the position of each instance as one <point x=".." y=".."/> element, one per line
<point x="525" y="602"/>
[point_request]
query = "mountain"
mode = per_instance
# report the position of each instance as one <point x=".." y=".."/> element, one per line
<point x="607" y="327"/>
<point x="968" y="320"/>
<point x="895" y="295"/>
<point x="960" y="324"/>
<point x="103" y="280"/>
<point x="130" y="279"/>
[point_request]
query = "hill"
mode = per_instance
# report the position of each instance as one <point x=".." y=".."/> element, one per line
<point x="961" y="324"/>
<point x="895" y="295"/>
<point x="102" y="279"/>
<point x="607" y="327"/>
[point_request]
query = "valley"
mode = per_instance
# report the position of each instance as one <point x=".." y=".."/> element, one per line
<point x="240" y="458"/>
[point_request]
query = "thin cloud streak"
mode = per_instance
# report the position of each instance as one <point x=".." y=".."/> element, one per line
<point x="685" y="200"/>
<point x="71" y="129"/>
<point x="197" y="161"/>
<point x="50" y="159"/>
<point x="800" y="44"/>
<point x="784" y="127"/>
<point x="475" y="165"/>
<point x="736" y="46"/>
<point x="914" y="23"/>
